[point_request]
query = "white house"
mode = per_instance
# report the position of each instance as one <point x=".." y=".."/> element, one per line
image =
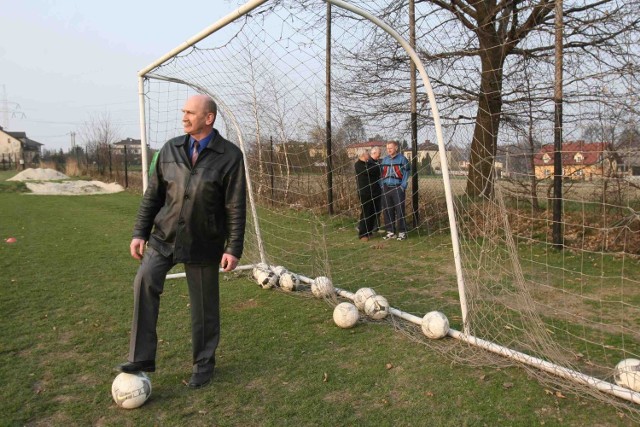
<point x="17" y="148"/>
<point x="132" y="145"/>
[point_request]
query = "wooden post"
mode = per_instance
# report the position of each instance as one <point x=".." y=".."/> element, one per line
<point x="557" y="234"/>
<point x="328" y="113"/>
<point x="126" y="168"/>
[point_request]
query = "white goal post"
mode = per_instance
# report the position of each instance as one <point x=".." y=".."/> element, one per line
<point x="491" y="254"/>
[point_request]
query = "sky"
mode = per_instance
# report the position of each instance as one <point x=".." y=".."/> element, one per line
<point x="62" y="62"/>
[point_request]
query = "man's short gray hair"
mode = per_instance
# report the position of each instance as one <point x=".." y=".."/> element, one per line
<point x="211" y="106"/>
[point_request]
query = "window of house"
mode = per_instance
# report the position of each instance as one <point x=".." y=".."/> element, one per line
<point x="546" y="158"/>
<point x="578" y="158"/>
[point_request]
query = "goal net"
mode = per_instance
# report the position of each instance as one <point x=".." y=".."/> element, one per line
<point x="303" y="95"/>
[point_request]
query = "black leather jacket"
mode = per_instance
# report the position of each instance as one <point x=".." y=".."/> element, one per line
<point x="196" y="213"/>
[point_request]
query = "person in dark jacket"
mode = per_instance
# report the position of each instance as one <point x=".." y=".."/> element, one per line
<point x="367" y="177"/>
<point x="375" y="154"/>
<point x="193" y="212"/>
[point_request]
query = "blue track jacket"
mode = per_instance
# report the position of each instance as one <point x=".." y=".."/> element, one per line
<point x="395" y="171"/>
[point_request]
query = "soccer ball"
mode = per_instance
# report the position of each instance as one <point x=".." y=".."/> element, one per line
<point x="267" y="279"/>
<point x="361" y="296"/>
<point x="130" y="391"/>
<point x="261" y="266"/>
<point x="322" y="287"/>
<point x="627" y="374"/>
<point x="435" y="325"/>
<point x="279" y="270"/>
<point x="345" y="315"/>
<point x="376" y="307"/>
<point x="289" y="281"/>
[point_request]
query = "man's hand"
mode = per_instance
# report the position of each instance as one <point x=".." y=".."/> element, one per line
<point x="228" y="262"/>
<point x="137" y="248"/>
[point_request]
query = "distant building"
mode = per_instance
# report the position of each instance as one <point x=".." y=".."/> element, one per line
<point x="16" y="148"/>
<point x="352" y="149"/>
<point x="298" y="148"/>
<point x="580" y="160"/>
<point x="428" y="155"/>
<point x="629" y="165"/>
<point x="132" y="145"/>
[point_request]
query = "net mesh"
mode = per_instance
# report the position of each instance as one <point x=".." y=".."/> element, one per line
<point x="577" y="307"/>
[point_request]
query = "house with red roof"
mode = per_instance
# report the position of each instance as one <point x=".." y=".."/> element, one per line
<point x="580" y="160"/>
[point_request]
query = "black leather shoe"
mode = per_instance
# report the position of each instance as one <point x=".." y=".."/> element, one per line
<point x="200" y="379"/>
<point x="132" y="367"/>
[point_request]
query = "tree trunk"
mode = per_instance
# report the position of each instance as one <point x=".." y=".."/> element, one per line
<point x="485" y="134"/>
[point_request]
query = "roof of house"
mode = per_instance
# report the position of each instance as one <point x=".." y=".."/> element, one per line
<point x="128" y="141"/>
<point x="22" y="136"/>
<point x="630" y="157"/>
<point x="427" y="146"/>
<point x="590" y="152"/>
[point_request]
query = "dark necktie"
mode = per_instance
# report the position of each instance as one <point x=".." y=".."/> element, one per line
<point x="194" y="154"/>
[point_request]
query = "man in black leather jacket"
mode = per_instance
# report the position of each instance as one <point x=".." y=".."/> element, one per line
<point x="367" y="177"/>
<point x="193" y="212"/>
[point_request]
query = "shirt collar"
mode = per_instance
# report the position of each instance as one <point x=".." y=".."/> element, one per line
<point x="203" y="142"/>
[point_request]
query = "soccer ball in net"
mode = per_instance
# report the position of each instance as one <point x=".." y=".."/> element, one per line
<point x="361" y="296"/>
<point x="267" y="279"/>
<point x="279" y="270"/>
<point x="261" y="266"/>
<point x="435" y="325"/>
<point x="289" y="281"/>
<point x="376" y="307"/>
<point x="627" y="374"/>
<point x="130" y="391"/>
<point x="345" y="315"/>
<point x="322" y="287"/>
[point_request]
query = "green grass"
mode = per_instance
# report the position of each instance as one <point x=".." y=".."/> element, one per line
<point x="66" y="300"/>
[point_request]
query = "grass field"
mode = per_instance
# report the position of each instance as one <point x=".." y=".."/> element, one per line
<point x="66" y="301"/>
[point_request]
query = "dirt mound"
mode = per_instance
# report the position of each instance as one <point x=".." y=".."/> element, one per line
<point x="38" y="174"/>
<point x="73" y="188"/>
<point x="62" y="186"/>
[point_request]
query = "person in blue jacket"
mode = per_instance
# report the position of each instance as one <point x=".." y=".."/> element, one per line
<point x="394" y="180"/>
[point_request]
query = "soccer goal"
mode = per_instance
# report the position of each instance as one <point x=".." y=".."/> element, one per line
<point x="304" y="86"/>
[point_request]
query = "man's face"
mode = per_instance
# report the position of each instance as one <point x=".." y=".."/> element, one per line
<point x="194" y="119"/>
<point x="375" y="154"/>
<point x="392" y="149"/>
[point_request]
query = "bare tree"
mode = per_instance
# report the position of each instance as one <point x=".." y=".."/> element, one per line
<point x="475" y="52"/>
<point x="98" y="133"/>
<point x="256" y="111"/>
<point x="353" y="130"/>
